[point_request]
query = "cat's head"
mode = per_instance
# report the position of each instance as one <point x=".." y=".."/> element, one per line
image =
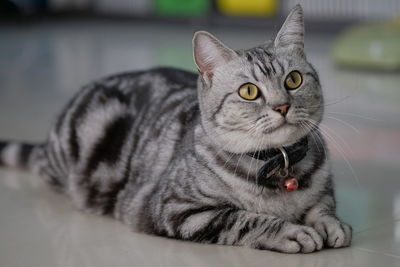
<point x="263" y="97"/>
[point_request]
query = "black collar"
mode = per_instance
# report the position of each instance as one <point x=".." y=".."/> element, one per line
<point x="274" y="159"/>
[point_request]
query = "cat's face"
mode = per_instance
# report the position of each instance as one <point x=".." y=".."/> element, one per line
<point x="263" y="97"/>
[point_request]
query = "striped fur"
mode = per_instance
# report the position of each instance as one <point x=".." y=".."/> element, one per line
<point x="165" y="150"/>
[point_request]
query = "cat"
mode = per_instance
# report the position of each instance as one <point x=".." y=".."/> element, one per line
<point x="231" y="155"/>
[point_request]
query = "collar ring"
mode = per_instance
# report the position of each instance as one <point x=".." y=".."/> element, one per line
<point x="285" y="170"/>
<point x="285" y="157"/>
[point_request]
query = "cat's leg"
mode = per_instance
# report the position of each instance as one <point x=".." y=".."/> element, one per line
<point x="96" y="193"/>
<point x="322" y="218"/>
<point x="229" y="226"/>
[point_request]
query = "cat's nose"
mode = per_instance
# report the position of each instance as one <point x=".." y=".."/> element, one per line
<point x="282" y="109"/>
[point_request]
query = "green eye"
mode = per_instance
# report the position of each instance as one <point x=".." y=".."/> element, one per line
<point x="293" y="80"/>
<point x="248" y="91"/>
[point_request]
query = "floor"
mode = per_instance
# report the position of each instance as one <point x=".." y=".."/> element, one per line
<point x="42" y="65"/>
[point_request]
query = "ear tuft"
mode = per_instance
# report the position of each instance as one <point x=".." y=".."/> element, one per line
<point x="292" y="30"/>
<point x="209" y="53"/>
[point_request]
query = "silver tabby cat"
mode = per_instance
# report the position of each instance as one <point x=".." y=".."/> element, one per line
<point x="166" y="151"/>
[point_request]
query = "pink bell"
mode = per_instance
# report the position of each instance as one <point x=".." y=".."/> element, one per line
<point x="291" y="184"/>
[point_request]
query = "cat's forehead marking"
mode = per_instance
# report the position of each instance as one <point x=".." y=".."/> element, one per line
<point x="261" y="54"/>
<point x="264" y="63"/>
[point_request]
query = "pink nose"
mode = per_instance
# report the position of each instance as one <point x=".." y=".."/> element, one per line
<point x="283" y="109"/>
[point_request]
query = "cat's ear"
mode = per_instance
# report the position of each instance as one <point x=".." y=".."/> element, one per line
<point x="291" y="33"/>
<point x="209" y="53"/>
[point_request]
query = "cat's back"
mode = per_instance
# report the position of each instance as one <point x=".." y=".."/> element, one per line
<point x="149" y="85"/>
<point x="122" y="118"/>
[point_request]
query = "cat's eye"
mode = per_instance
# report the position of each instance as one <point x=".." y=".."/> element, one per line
<point x="293" y="80"/>
<point x="248" y="91"/>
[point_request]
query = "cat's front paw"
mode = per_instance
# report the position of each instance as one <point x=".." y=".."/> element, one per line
<point x="297" y="239"/>
<point x="335" y="233"/>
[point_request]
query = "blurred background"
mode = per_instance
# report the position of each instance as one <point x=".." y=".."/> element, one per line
<point x="50" y="48"/>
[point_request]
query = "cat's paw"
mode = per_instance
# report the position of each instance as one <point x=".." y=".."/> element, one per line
<point x="298" y="238"/>
<point x="335" y="233"/>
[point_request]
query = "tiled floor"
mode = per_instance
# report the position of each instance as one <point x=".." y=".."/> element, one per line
<point x="42" y="65"/>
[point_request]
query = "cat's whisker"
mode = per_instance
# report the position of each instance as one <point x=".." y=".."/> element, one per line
<point x="311" y="126"/>
<point x="325" y="104"/>
<point x="232" y="154"/>
<point x="306" y="130"/>
<point x="262" y="141"/>
<point x="352" y="114"/>
<point x="339" y="148"/>
<point x="252" y="158"/>
<point x="228" y="144"/>
<point x="344" y="122"/>
<point x="251" y="162"/>
<point x="337" y="136"/>
<point x="241" y="155"/>
<point x="322" y="142"/>
<point x="316" y="135"/>
<point x="264" y="127"/>
<point x="258" y="149"/>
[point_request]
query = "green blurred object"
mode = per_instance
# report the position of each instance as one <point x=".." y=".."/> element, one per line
<point x="175" y="56"/>
<point x="375" y="47"/>
<point x="182" y="7"/>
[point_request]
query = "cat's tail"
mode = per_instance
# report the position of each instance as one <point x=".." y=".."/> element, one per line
<point x="20" y="155"/>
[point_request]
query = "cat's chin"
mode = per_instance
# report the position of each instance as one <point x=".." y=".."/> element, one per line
<point x="285" y="135"/>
